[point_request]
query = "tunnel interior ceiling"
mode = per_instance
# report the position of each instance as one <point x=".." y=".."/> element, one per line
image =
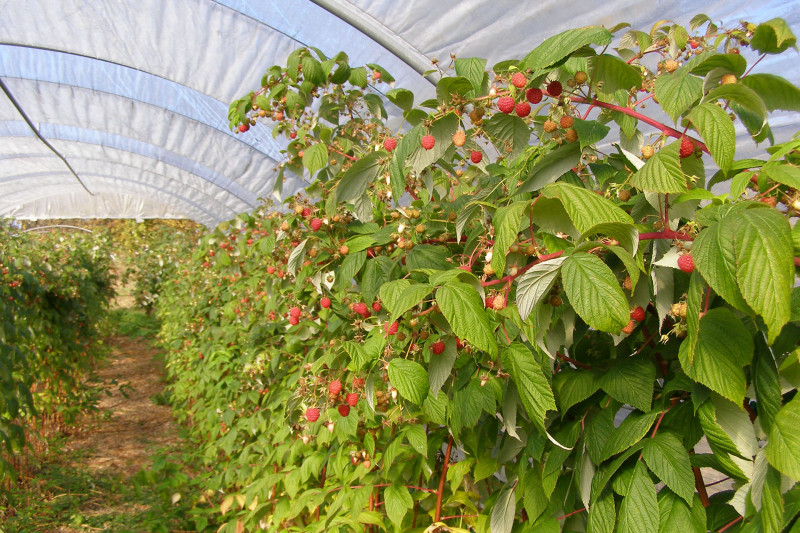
<point x="131" y="97"/>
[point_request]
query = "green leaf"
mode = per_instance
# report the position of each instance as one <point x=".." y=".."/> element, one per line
<point x="390" y="292"/>
<point x="756" y="246"/>
<point x="775" y="92"/>
<point x="504" y="510"/>
<point x="639" y="511"/>
<point x="410" y="297"/>
<point x="767" y="384"/>
<point x="312" y="70"/>
<point x="747" y="103"/>
<point x="723" y="348"/>
<point x="296" y="257"/>
<point x="295" y="104"/>
<point x="441" y="366"/>
<point x="631" y="382"/>
<point x="574" y="386"/>
<point x="558" y="47"/>
<point x="428" y="256"/>
<point x="532" y="385"/>
<point x="402" y="98"/>
<point x="772" y="502"/>
<point x="398" y="502"/>
<point x="410" y="379"/>
<point x="718" y="133"/>
<point x="315" y="157"/>
<point x="783" y="445"/>
<point x="350" y="267"/>
<point x="508" y="130"/>
<point x="611" y="74"/>
<point x="662" y="172"/>
<point x="449" y="86"/>
<point x="676" y="92"/>
<point x="785" y="174"/>
<point x="584" y="207"/>
<point x="595" y="293"/>
<point x="668" y="459"/>
<point x="602" y="515"/>
<point x="590" y="132"/>
<point x="358" y="77"/>
<point x="356" y="179"/>
<point x="535" y="284"/>
<point x="472" y="68"/>
<point x="677" y="515"/>
<point x="417" y="439"/>
<point x="506" y="222"/>
<point x="551" y="167"/>
<point x="772" y="37"/>
<point x="533" y="497"/>
<point x="631" y="431"/>
<point x="461" y="305"/>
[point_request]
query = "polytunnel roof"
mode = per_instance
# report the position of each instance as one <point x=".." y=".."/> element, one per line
<point x="118" y="108"/>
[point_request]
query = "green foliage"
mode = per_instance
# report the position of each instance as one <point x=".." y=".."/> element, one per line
<point x="54" y="293"/>
<point x="482" y="312"/>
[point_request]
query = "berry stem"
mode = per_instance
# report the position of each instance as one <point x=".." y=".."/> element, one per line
<point x="663" y="128"/>
<point x="700" y="485"/>
<point x="573" y="361"/>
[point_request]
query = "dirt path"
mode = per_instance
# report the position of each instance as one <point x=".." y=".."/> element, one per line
<point x="129" y="423"/>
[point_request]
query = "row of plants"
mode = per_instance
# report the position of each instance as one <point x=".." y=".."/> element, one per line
<point x="521" y="309"/>
<point x="54" y="292"/>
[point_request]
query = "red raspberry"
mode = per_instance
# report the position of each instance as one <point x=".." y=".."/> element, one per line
<point x="351" y="399"/>
<point x="344" y="410"/>
<point x="306" y="212"/>
<point x="476" y="157"/>
<point x="519" y="80"/>
<point x="376" y="306"/>
<point x="358" y="383"/>
<point x="335" y="387"/>
<point x="554" y="88"/>
<point x="687" y="147"/>
<point x="325" y="302"/>
<point x="428" y="142"/>
<point x="316" y="223"/>
<point x="270" y="270"/>
<point x="694" y="44"/>
<point x="293" y="320"/>
<point x="523" y="109"/>
<point x="360" y="308"/>
<point x="312" y="414"/>
<point x="489" y="302"/>
<point x="391" y="329"/>
<point x="244" y="127"/>
<point x="437" y="347"/>
<point x="295" y="312"/>
<point x="627" y="330"/>
<point x="390" y="144"/>
<point x="686" y="263"/>
<point x="637" y="314"/>
<point x="505" y="104"/>
<point x="459" y="343"/>
<point x="534" y="95"/>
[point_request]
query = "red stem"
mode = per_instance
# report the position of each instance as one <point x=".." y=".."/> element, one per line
<point x="663" y="128"/>
<point x="459" y="516"/>
<point x="729" y="524"/>
<point x="700" y="485"/>
<point x="582" y="509"/>
<point x="573" y="361"/>
<point x="666" y="234"/>
<point x="440" y="492"/>
<point x="509" y="278"/>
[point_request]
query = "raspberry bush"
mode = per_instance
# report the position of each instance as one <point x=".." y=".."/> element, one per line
<point x="54" y="294"/>
<point x="538" y="361"/>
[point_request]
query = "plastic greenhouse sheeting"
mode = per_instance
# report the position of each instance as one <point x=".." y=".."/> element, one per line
<point x="134" y="94"/>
